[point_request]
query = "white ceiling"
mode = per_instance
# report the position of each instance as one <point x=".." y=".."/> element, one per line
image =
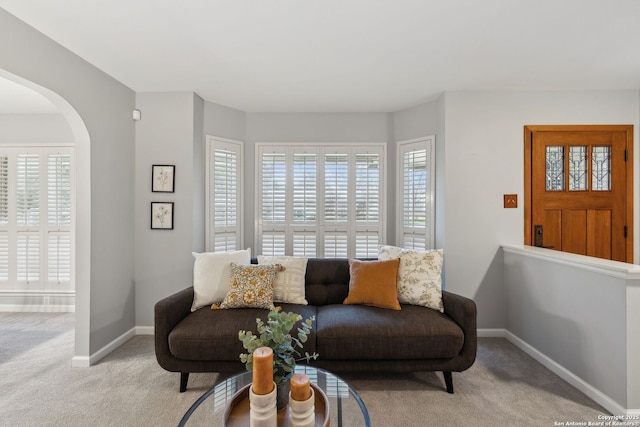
<point x="347" y="55"/>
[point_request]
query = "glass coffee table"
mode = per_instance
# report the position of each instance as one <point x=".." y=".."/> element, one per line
<point x="346" y="407"/>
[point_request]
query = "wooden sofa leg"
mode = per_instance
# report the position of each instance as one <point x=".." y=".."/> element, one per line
<point x="184" y="378"/>
<point x="448" y="380"/>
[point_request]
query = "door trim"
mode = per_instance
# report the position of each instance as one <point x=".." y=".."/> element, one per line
<point x="528" y="158"/>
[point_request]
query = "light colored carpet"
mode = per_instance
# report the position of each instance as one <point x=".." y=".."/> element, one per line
<point x="505" y="387"/>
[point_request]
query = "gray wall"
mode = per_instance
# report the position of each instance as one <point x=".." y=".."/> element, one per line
<point x="166" y="135"/>
<point x="99" y="111"/>
<point x="34" y="129"/>
<point x="172" y="131"/>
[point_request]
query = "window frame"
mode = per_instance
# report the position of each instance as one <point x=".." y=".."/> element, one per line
<point x="428" y="144"/>
<point x="320" y="227"/>
<point x="211" y="144"/>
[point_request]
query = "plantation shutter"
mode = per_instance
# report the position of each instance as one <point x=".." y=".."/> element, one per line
<point x="224" y="198"/>
<point x="4" y="190"/>
<point x="4" y="218"/>
<point x="273" y="202"/>
<point x="36" y="218"/>
<point x="368" y="185"/>
<point x="59" y="251"/>
<point x="4" y="256"/>
<point x="415" y="191"/>
<point x="320" y="200"/>
<point x="336" y="181"/>
<point x="28" y="190"/>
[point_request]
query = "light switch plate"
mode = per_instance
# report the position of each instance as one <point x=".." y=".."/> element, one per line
<point x="510" y="201"/>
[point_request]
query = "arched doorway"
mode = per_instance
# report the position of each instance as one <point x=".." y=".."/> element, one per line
<point x="82" y="241"/>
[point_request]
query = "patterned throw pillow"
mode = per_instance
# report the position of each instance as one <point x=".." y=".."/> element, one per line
<point x="289" y="284"/>
<point x="251" y="286"/>
<point x="419" y="276"/>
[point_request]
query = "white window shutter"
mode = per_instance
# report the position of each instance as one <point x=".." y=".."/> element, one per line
<point x="367" y="197"/>
<point x="304" y="187"/>
<point x="36" y="218"/>
<point x="4" y="256"/>
<point x="274" y="184"/>
<point x="304" y="244"/>
<point x="336" y="186"/>
<point x="4" y="190"/>
<point x="28" y="251"/>
<point x="59" y="190"/>
<point x="28" y="190"/>
<point x="415" y="185"/>
<point x="273" y="243"/>
<point x="59" y="257"/>
<point x="316" y="199"/>
<point x="224" y="200"/>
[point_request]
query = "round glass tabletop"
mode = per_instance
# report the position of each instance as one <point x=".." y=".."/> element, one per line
<point x="346" y="407"/>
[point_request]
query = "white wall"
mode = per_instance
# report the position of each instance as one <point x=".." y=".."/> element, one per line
<point x="99" y="107"/>
<point x="34" y="129"/>
<point x="484" y="160"/>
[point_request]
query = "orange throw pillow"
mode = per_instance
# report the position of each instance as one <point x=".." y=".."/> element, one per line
<point x="374" y="283"/>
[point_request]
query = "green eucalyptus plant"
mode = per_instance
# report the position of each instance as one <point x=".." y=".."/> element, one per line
<point x="276" y="334"/>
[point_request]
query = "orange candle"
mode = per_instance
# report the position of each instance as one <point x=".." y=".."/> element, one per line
<point x="262" y="370"/>
<point x="300" y="387"/>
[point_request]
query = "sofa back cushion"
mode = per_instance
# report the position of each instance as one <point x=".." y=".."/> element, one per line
<point x="326" y="280"/>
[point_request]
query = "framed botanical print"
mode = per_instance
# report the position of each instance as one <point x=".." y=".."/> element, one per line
<point x="162" y="215"/>
<point x="163" y="178"/>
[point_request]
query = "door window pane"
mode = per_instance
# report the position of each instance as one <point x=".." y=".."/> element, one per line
<point x="555" y="168"/>
<point x="601" y="168"/>
<point x="578" y="168"/>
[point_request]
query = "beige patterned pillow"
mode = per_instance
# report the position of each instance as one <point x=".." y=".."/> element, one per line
<point x="419" y="275"/>
<point x="289" y="284"/>
<point x="251" y="286"/>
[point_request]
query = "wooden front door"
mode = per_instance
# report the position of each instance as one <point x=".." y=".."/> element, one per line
<point x="578" y="189"/>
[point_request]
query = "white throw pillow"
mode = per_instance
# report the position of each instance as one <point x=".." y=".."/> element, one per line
<point x="419" y="275"/>
<point x="289" y="284"/>
<point x="212" y="275"/>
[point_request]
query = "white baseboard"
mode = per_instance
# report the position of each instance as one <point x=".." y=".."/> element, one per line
<point x="145" y="330"/>
<point x="80" y="362"/>
<point x="492" y="333"/>
<point x="577" y="382"/>
<point x="37" y="308"/>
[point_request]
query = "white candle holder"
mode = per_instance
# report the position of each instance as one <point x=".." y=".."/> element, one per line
<point x="263" y="411"/>
<point x="302" y="413"/>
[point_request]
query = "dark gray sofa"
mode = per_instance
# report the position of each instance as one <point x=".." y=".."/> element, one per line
<point x="354" y="338"/>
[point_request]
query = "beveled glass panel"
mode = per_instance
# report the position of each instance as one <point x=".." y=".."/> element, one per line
<point x="578" y="168"/>
<point x="555" y="168"/>
<point x="601" y="169"/>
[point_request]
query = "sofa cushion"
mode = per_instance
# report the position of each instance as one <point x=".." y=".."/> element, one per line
<point x="327" y="281"/>
<point x="370" y="333"/>
<point x="212" y="335"/>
